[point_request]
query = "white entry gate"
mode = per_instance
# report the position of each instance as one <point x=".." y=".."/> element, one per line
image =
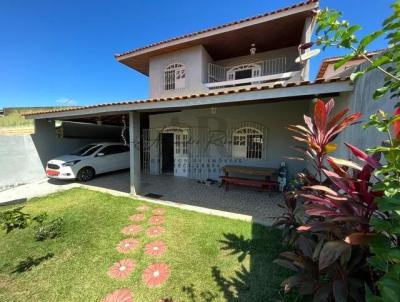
<point x="181" y="137"/>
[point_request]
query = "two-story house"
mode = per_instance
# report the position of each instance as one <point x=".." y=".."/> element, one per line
<point x="217" y="97"/>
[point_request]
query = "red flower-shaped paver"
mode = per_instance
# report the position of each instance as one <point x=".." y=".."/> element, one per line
<point x="143" y="208"/>
<point x="127" y="245"/>
<point x="156" y="274"/>
<point x="155" y="248"/>
<point x="137" y="217"/>
<point x="155" y="231"/>
<point x="132" y="229"/>
<point x="122" y="268"/>
<point x="156" y="219"/>
<point x="120" y="295"/>
<point x="158" y="211"/>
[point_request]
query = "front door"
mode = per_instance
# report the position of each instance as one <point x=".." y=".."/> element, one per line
<point x="181" y="153"/>
<point x="167" y="153"/>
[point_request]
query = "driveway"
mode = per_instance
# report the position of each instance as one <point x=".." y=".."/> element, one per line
<point x="118" y="181"/>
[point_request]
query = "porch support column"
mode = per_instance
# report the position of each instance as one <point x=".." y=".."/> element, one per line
<point x="134" y="145"/>
<point x="306" y="37"/>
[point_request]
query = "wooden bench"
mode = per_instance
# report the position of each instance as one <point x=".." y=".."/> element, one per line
<point x="258" y="183"/>
<point x="265" y="183"/>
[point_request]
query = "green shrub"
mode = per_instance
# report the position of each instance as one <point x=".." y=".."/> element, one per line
<point x="14" y="219"/>
<point x="50" y="230"/>
<point x="40" y="218"/>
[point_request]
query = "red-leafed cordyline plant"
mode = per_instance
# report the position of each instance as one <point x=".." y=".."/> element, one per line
<point x="320" y="132"/>
<point x="329" y="255"/>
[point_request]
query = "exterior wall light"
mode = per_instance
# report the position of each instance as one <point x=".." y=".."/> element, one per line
<point x="253" y="49"/>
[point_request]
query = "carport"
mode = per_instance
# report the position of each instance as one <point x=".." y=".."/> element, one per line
<point x="61" y="131"/>
<point x="55" y="136"/>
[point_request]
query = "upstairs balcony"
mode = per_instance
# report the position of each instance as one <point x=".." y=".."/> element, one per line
<point x="265" y="71"/>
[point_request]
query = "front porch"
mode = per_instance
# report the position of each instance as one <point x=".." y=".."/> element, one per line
<point x="203" y="133"/>
<point x="261" y="206"/>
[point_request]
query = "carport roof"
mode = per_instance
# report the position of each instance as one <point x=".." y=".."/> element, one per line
<point x="319" y="87"/>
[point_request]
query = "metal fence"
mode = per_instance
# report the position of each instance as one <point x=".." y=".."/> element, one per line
<point x="207" y="151"/>
<point x="218" y="73"/>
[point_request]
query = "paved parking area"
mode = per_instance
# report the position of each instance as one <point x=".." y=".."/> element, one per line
<point x="260" y="206"/>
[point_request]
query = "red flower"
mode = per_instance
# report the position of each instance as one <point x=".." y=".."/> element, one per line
<point x="137" y="217"/>
<point x="155" y="231"/>
<point x="121" y="295"/>
<point x="396" y="125"/>
<point x="156" y="274"/>
<point x="158" y="211"/>
<point x="132" y="229"/>
<point x="143" y="208"/>
<point x="155" y="248"/>
<point x="122" y="268"/>
<point x="127" y="245"/>
<point x="156" y="219"/>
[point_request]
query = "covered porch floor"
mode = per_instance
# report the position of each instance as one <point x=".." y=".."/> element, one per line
<point x="261" y="206"/>
<point x="238" y="202"/>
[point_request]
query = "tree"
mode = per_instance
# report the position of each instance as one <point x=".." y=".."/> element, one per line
<point x="352" y="223"/>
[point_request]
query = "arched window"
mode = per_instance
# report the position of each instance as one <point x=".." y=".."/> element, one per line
<point x="244" y="71"/>
<point x="174" y="76"/>
<point x="248" y="143"/>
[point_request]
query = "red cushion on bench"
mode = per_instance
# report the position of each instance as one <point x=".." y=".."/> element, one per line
<point x="249" y="182"/>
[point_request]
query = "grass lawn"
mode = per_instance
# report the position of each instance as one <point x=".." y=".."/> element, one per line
<point x="210" y="258"/>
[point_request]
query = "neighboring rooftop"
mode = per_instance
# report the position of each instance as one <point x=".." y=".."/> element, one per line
<point x="327" y="69"/>
<point x="272" y="30"/>
<point x="27" y="110"/>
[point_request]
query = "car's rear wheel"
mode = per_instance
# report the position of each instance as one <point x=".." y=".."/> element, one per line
<point x="85" y="174"/>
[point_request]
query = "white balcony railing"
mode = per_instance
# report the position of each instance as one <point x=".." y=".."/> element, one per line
<point x="272" y="70"/>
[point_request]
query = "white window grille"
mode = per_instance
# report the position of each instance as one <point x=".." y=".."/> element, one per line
<point x="178" y="144"/>
<point x="244" y="71"/>
<point x="174" y="77"/>
<point x="247" y="143"/>
<point x="185" y="139"/>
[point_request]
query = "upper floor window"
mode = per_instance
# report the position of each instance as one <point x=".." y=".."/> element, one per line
<point x="244" y="71"/>
<point x="247" y="143"/>
<point x="174" y="76"/>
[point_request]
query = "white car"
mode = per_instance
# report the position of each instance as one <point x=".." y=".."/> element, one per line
<point x="84" y="163"/>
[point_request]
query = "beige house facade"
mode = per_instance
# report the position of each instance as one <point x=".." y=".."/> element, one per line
<point x="218" y="97"/>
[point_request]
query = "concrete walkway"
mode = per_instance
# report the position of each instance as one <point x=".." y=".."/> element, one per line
<point x="35" y="189"/>
<point x="118" y="182"/>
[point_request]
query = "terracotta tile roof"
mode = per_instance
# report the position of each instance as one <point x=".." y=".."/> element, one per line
<point x="325" y="62"/>
<point x="219" y="27"/>
<point x="226" y="91"/>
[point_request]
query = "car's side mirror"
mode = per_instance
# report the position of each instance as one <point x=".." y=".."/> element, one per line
<point x="100" y="154"/>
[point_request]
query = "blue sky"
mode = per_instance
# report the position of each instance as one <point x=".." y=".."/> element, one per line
<point x="51" y="51"/>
